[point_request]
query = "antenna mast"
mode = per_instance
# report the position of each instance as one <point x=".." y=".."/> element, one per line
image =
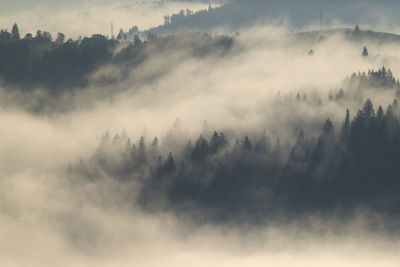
<point x="112" y="30"/>
<point x="321" y="19"/>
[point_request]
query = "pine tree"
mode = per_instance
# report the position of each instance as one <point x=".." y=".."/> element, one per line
<point x="357" y="30"/>
<point x="200" y="151"/>
<point x="60" y="38"/>
<point x="15" y="32"/>
<point x="141" y="156"/>
<point x="247" y="144"/>
<point x="154" y="148"/>
<point x="379" y="114"/>
<point x="365" y="52"/>
<point x="346" y="126"/>
<point x="169" y="165"/>
<point x="368" y="109"/>
<point x="327" y="128"/>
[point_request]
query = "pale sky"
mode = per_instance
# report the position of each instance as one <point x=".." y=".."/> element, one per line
<point x="12" y="6"/>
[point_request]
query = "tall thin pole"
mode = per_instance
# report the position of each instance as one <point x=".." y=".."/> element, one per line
<point x="112" y="30"/>
<point x="321" y="20"/>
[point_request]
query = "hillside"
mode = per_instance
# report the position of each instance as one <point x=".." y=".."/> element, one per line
<point x="238" y="14"/>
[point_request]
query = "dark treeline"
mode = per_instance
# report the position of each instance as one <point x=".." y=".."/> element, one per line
<point x="349" y="166"/>
<point x="381" y="78"/>
<point x="353" y="89"/>
<point x="40" y="61"/>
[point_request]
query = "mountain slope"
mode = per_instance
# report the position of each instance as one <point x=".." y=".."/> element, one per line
<point x="297" y="14"/>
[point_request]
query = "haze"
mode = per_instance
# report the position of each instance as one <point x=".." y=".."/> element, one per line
<point x="206" y="138"/>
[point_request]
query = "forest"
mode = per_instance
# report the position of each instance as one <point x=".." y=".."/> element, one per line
<point x="233" y="15"/>
<point x="222" y="175"/>
<point x="199" y="133"/>
<point x="347" y="166"/>
<point x="258" y="178"/>
<point x="57" y="65"/>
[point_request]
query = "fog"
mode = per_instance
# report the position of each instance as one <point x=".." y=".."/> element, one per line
<point x="49" y="217"/>
<point x="237" y="90"/>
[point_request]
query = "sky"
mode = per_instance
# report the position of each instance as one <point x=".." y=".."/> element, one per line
<point x="12" y="6"/>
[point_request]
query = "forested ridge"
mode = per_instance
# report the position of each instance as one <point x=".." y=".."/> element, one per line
<point x="350" y="165"/>
<point x="57" y="65"/>
<point x="238" y="14"/>
<point x="199" y="133"/>
<point x="222" y="175"/>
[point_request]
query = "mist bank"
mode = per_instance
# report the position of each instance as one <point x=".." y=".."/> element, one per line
<point x="63" y="74"/>
<point x="222" y="178"/>
<point x="263" y="165"/>
<point x="297" y="151"/>
<point x="98" y="222"/>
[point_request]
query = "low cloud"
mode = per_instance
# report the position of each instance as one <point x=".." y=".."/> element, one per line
<point x="49" y="218"/>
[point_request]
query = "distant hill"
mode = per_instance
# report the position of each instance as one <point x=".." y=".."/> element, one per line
<point x="237" y="14"/>
<point x="351" y="35"/>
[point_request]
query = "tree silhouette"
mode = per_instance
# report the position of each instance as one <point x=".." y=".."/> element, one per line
<point x="346" y="126"/>
<point x="169" y="165"/>
<point x="60" y="38"/>
<point x="365" y="52"/>
<point x="315" y="175"/>
<point x="200" y="151"/>
<point x="327" y="128"/>
<point x="357" y="30"/>
<point x="15" y="32"/>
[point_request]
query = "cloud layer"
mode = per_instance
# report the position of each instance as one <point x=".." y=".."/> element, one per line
<point x="48" y="218"/>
